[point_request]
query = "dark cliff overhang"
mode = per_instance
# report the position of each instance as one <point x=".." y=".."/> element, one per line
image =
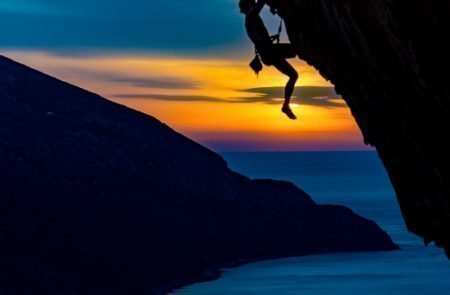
<point x="390" y="61"/>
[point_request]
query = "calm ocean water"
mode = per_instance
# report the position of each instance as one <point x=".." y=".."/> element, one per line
<point x="354" y="179"/>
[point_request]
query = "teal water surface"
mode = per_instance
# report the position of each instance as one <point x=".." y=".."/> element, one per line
<point x="354" y="179"/>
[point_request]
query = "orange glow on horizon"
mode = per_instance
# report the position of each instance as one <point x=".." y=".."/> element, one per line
<point x="257" y="125"/>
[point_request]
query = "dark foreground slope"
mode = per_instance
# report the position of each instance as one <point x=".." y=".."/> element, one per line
<point x="390" y="61"/>
<point x="100" y="199"/>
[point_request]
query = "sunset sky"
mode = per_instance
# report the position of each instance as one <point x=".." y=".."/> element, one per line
<point x="184" y="62"/>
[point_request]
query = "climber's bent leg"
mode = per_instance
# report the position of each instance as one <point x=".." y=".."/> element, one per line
<point x="284" y="67"/>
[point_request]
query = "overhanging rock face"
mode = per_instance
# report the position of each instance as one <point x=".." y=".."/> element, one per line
<point x="389" y="59"/>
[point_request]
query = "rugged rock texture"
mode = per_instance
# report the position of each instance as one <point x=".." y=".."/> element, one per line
<point x="390" y="61"/>
<point x="100" y="199"/>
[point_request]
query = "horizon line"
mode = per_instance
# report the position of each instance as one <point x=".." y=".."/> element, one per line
<point x="293" y="151"/>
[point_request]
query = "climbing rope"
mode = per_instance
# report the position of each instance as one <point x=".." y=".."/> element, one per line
<point x="278" y="35"/>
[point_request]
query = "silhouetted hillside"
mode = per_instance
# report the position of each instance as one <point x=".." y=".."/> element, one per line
<point x="99" y="199"/>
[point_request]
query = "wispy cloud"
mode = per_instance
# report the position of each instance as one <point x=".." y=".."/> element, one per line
<point x="308" y="95"/>
<point x="164" y="83"/>
<point x="141" y="82"/>
<point x="165" y="97"/>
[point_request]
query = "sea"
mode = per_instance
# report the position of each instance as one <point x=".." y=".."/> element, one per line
<point x="356" y="179"/>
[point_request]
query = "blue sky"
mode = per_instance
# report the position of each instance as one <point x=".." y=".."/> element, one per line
<point x="174" y="25"/>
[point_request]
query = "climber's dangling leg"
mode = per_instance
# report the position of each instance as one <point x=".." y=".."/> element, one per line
<point x="284" y="67"/>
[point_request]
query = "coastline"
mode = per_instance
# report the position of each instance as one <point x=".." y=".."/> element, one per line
<point x="216" y="273"/>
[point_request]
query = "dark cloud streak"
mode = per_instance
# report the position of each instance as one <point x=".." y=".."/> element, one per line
<point x="307" y="95"/>
<point x="312" y="96"/>
<point x="165" y="97"/>
<point x="155" y="83"/>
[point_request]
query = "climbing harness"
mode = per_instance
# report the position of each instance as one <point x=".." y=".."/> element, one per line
<point x="256" y="64"/>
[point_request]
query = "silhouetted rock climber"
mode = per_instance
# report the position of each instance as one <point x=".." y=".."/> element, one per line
<point x="271" y="53"/>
